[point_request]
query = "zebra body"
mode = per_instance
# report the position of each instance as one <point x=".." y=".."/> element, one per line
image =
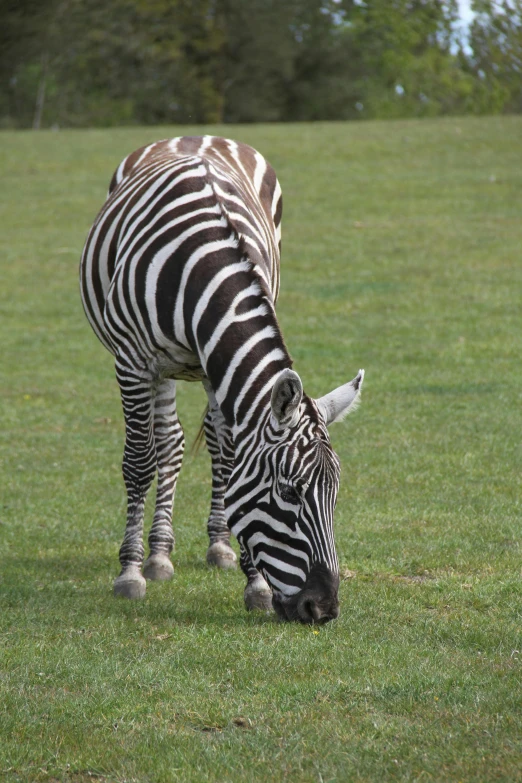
<point x="179" y="279"/>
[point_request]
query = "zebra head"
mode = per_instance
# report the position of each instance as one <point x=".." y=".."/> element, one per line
<point x="281" y="497"/>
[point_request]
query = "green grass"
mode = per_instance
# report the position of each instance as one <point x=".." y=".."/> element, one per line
<point x="401" y="254"/>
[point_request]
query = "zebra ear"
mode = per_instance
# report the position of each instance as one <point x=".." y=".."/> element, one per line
<point x="286" y="397"/>
<point x="342" y="401"/>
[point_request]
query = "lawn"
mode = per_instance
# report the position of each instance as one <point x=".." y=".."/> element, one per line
<point x="401" y="254"/>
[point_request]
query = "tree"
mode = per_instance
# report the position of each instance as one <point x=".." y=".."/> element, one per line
<point x="144" y="61"/>
<point x="326" y="68"/>
<point x="495" y="59"/>
<point x="23" y="57"/>
<point x="91" y="62"/>
<point x="408" y="66"/>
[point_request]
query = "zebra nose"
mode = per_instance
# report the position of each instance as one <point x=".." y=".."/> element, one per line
<point x="320" y="612"/>
<point x="318" y="602"/>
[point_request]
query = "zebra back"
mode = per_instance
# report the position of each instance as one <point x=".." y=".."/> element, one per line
<point x="253" y="177"/>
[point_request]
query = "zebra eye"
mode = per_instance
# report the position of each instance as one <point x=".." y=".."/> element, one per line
<point x="288" y="493"/>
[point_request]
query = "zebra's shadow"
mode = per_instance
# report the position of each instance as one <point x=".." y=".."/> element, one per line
<point x="76" y="593"/>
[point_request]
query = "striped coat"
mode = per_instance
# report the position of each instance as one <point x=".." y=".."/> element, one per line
<point x="179" y="279"/>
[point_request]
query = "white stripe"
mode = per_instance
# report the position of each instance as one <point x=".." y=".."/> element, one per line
<point x="232" y="507"/>
<point x="259" y="172"/>
<point x="275" y="200"/>
<point x="272" y="356"/>
<point x="110" y="207"/>
<point x="266" y="388"/>
<point x="263" y="557"/>
<point x="257" y="515"/>
<point x="286" y="590"/>
<point x="152" y="273"/>
<point x="241" y="353"/>
<point x="144" y="155"/>
<point x="205" y="143"/>
<point x="210" y="290"/>
<point x="197" y="255"/>
<point x="156" y="265"/>
<point x="144" y="205"/>
<point x="170" y="207"/>
<point x="252" y="290"/>
<point x="88" y="254"/>
<point x="119" y="172"/>
<point x="161" y="172"/>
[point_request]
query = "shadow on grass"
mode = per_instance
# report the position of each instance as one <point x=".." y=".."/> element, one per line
<point x="73" y="590"/>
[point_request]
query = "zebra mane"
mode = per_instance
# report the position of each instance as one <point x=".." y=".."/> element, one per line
<point x="224" y="211"/>
<point x="240" y="242"/>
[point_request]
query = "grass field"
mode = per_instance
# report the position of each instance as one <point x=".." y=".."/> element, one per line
<point x="401" y="254"/>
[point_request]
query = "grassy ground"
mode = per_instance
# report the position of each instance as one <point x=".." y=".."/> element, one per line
<point x="401" y="254"/>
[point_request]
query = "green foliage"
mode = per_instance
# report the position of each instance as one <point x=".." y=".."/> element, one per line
<point x="285" y="61"/>
<point x="401" y="254"/>
<point x="154" y="58"/>
<point x="126" y="61"/>
<point x="496" y="61"/>
<point x="258" y="58"/>
<point x="86" y="62"/>
<point x="408" y="67"/>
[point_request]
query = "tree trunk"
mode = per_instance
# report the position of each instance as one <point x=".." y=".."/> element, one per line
<point x="40" y="97"/>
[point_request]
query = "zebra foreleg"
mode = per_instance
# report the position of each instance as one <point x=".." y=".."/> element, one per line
<point x="258" y="594"/>
<point x="219" y="552"/>
<point x="139" y="468"/>
<point x="170" y="444"/>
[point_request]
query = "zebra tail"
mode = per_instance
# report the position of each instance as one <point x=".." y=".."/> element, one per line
<point x="198" y="440"/>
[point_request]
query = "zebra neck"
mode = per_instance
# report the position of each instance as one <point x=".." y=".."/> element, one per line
<point x="244" y="355"/>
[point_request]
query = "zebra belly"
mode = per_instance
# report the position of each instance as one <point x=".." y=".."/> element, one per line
<point x="176" y="366"/>
<point x="158" y="362"/>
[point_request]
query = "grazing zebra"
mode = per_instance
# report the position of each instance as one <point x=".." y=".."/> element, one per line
<point x="179" y="276"/>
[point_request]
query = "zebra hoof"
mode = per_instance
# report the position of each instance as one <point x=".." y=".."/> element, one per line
<point x="130" y="584"/>
<point x="158" y="568"/>
<point x="221" y="555"/>
<point x="258" y="595"/>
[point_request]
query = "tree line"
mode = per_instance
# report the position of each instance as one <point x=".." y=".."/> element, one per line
<point x="76" y="63"/>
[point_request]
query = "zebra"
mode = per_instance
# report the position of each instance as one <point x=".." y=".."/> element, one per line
<point x="179" y="277"/>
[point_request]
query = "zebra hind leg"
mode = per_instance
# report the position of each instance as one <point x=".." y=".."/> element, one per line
<point x="139" y="468"/>
<point x="170" y="444"/>
<point x="219" y="553"/>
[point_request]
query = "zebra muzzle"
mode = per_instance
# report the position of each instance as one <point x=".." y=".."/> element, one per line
<point x="316" y="603"/>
